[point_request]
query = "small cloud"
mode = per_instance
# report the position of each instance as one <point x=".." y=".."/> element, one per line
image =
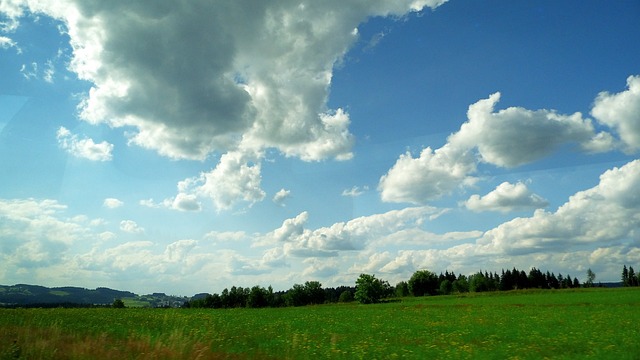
<point x="149" y="203"/>
<point x="29" y="72"/>
<point x="112" y="203"/>
<point x="83" y="148"/>
<point x="281" y="196"/>
<point x="7" y="43"/>
<point x="226" y="236"/>
<point x="131" y="227"/>
<point x="374" y="41"/>
<point x="506" y="197"/>
<point x="49" y="71"/>
<point x="355" y="191"/>
<point x="106" y="236"/>
<point x="182" y="202"/>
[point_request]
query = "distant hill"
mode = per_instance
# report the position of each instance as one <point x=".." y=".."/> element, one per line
<point x="34" y="295"/>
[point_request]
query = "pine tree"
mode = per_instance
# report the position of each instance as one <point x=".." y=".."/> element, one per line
<point x="633" y="280"/>
<point x="625" y="276"/>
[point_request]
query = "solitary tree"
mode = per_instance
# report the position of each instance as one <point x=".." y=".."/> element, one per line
<point x="370" y="290"/>
<point x="118" y="304"/>
<point x="590" y="277"/>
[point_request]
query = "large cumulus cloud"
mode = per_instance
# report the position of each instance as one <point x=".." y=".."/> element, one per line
<point x="621" y="111"/>
<point x="506" y="138"/>
<point x="190" y="78"/>
<point x="604" y="214"/>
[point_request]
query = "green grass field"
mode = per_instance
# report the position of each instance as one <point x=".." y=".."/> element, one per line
<point x="559" y="324"/>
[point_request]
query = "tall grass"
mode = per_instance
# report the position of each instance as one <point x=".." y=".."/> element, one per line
<point x="593" y="323"/>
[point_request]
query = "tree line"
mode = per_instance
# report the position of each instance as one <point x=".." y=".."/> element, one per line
<point x="629" y="277"/>
<point x="424" y="282"/>
<point x="369" y="289"/>
<point x="309" y="293"/>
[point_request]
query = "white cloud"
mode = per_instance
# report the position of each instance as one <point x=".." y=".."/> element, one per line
<point x="416" y="236"/>
<point x="36" y="233"/>
<point x="49" y="71"/>
<point x="112" y="203"/>
<point x="29" y="72"/>
<point x="177" y="251"/>
<point x="372" y="264"/>
<point x="506" y="197"/>
<point x="621" y="111"/>
<point x="13" y="11"/>
<point x="291" y="228"/>
<point x="131" y="227"/>
<point x="185" y="200"/>
<point x="106" y="236"/>
<point x="149" y="203"/>
<point x="7" y="43"/>
<point x="235" y="179"/>
<point x="203" y="77"/>
<point x="516" y="136"/>
<point x="226" y="236"/>
<point x="271" y="259"/>
<point x="355" y="234"/>
<point x="429" y="176"/>
<point x="83" y="148"/>
<point x="320" y="268"/>
<point x="355" y="191"/>
<point x="507" y="138"/>
<point x="145" y="258"/>
<point x="281" y="196"/>
<point x="604" y="214"/>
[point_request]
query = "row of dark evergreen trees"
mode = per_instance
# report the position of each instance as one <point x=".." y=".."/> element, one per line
<point x="422" y="282"/>
<point x="629" y="277"/>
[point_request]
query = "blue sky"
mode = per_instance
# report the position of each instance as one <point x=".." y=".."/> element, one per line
<point x="193" y="146"/>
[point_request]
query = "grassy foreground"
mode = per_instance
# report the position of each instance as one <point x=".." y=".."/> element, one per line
<point x="562" y="324"/>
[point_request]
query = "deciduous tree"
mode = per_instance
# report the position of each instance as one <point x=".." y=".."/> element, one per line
<point x="423" y="282"/>
<point x="371" y="290"/>
<point x="591" y="276"/>
<point x="402" y="289"/>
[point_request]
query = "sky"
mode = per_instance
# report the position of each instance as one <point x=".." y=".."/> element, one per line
<point x="190" y="146"/>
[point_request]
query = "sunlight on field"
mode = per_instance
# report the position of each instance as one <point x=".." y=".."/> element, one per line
<point x="593" y="323"/>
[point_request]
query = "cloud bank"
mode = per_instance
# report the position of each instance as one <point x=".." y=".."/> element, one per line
<point x="597" y="226"/>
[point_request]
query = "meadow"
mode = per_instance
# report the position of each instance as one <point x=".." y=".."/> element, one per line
<point x="533" y="324"/>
